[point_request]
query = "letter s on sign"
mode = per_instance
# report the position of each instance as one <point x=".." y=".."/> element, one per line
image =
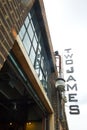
<point x="74" y="109"/>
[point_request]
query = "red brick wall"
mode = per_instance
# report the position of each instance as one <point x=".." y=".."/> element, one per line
<point x="12" y="15"/>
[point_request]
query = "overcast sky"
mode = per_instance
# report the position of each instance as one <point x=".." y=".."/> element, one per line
<point x="67" y="21"/>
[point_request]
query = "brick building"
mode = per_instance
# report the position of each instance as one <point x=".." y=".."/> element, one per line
<point x="28" y="97"/>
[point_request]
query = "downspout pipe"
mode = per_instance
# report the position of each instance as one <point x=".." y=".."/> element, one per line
<point x="60" y="64"/>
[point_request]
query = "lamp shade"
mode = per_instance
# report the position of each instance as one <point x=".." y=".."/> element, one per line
<point x="60" y="84"/>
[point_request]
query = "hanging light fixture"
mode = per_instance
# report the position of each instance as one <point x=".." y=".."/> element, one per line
<point x="60" y="84"/>
<point x="15" y="106"/>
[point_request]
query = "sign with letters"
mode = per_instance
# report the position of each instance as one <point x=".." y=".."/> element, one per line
<point x="71" y="85"/>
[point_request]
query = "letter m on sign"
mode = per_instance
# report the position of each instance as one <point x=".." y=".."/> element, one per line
<point x="71" y="87"/>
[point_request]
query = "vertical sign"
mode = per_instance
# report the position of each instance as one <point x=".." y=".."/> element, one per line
<point x="71" y="85"/>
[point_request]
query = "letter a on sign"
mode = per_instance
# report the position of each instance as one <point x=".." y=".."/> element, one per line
<point x="70" y="78"/>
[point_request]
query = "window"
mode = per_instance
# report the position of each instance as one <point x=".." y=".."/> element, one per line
<point x="34" y="43"/>
<point x="30" y="31"/>
<point x="22" y="32"/>
<point x="26" y="21"/>
<point x="27" y="43"/>
<point x="32" y="40"/>
<point x="32" y="55"/>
